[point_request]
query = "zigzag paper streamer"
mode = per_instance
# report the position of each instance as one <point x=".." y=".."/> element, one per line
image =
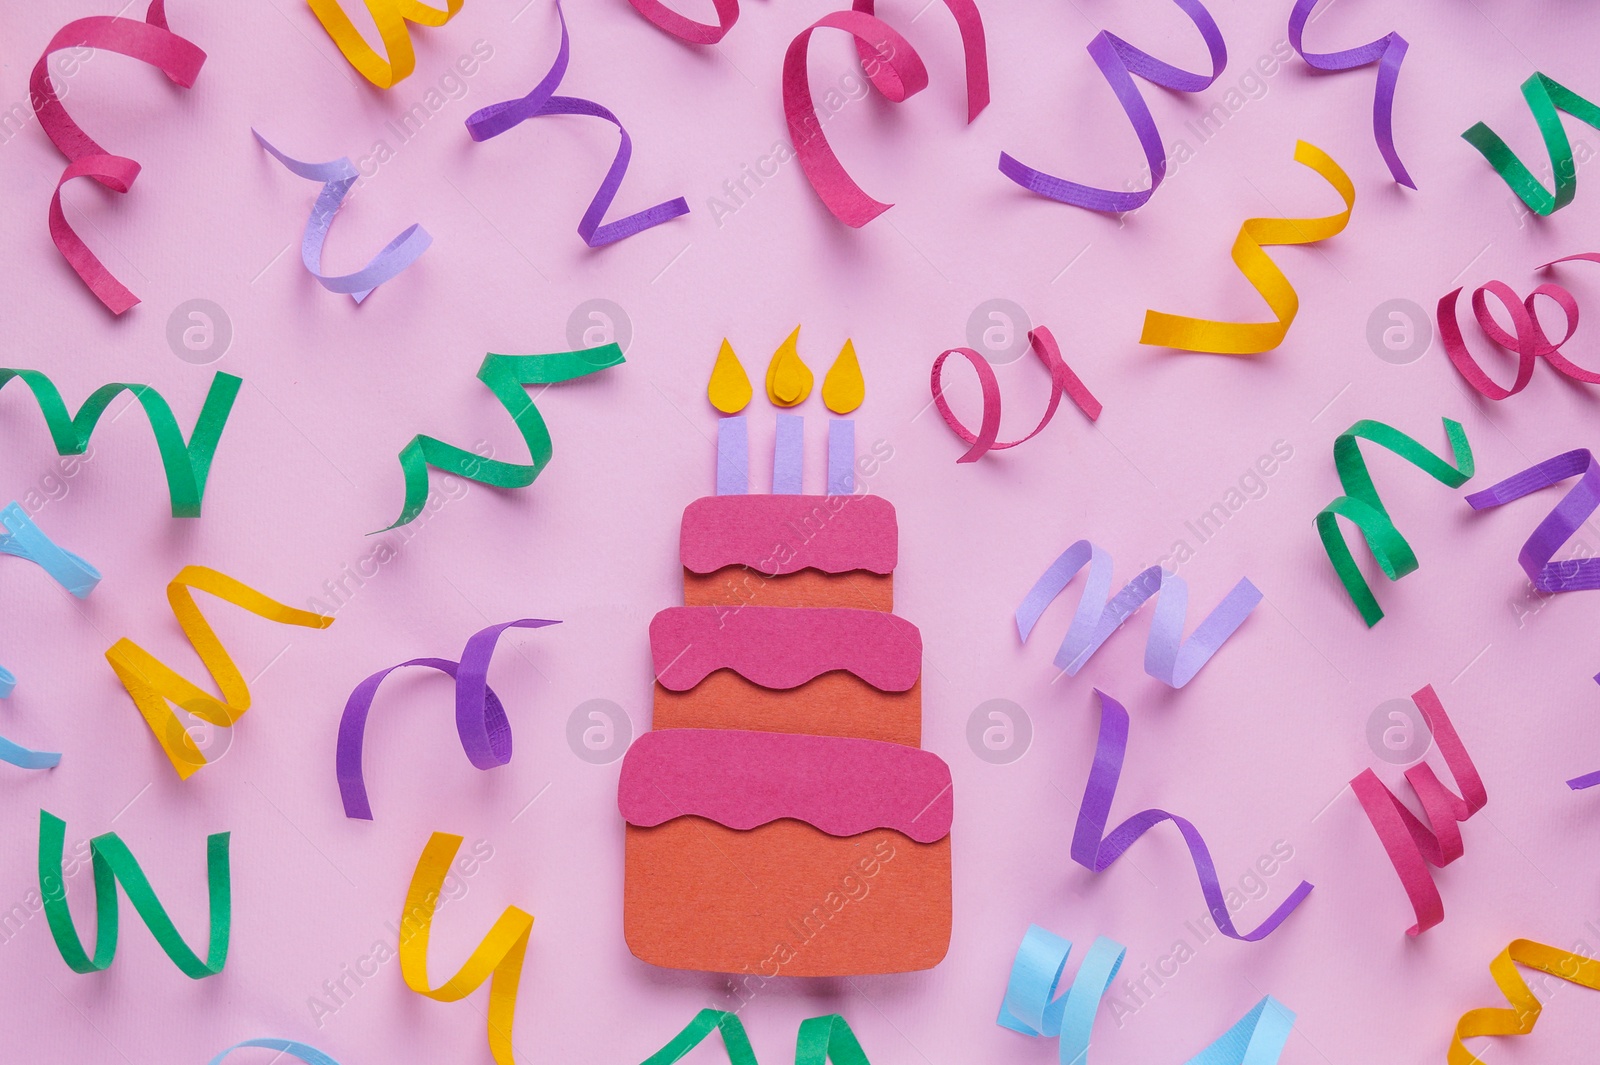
<point x="1062" y="381"/>
<point x="390" y="18"/>
<point x="1525" y="1006"/>
<point x="187" y="464"/>
<point x="498" y="958"/>
<point x="1560" y="525"/>
<point x="495" y="119"/>
<point x="155" y="687"/>
<point x="114" y="864"/>
<point x="305" y="1052"/>
<point x="1360" y="504"/>
<point x="1093" y="849"/>
<point x="1168" y="657"/>
<point x="1252" y="338"/>
<point x="337" y="178"/>
<point x="480" y="716"/>
<point x="1546" y="99"/>
<point x="505" y="375"/>
<point x="1410" y="844"/>
<point x="821" y="1040"/>
<point x="1031" y="1007"/>
<point x="149" y="42"/>
<point x="1388" y="51"/>
<point x="1118" y="62"/>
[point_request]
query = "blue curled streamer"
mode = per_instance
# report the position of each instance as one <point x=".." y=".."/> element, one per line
<point x="495" y="119"/>
<point x="1168" y="657"/>
<point x="1032" y="1008"/>
<point x="337" y="177"/>
<point x="306" y="1053"/>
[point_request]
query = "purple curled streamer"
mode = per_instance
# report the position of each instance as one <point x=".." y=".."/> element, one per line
<point x="480" y="716"/>
<point x="1572" y="575"/>
<point x="1095" y="851"/>
<point x="495" y="119"/>
<point x="1388" y="51"/>
<point x="337" y="177"/>
<point x="1119" y="61"/>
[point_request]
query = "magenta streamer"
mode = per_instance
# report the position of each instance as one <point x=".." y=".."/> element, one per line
<point x="1388" y="51"/>
<point x="1093" y="849"/>
<point x="1119" y="61"/>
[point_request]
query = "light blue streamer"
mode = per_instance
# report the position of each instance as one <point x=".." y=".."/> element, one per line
<point x="308" y="1054"/>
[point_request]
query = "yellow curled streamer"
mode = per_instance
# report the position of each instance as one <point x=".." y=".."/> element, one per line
<point x="156" y="688"/>
<point x="499" y="955"/>
<point x="390" y="17"/>
<point x="1525" y="1007"/>
<point x="1252" y="338"/>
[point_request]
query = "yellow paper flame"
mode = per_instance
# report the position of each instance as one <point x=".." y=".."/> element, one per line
<point x="843" y="388"/>
<point x="788" y="378"/>
<point x="729" y="388"/>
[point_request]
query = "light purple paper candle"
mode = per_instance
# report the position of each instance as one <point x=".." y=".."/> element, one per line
<point x="733" y="456"/>
<point x="841" y="456"/>
<point x="788" y="458"/>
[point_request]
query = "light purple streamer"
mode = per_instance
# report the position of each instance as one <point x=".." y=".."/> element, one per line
<point x="337" y="177"/>
<point x="733" y="457"/>
<point x="1168" y="657"/>
<point x="495" y="119"/>
<point x="788" y="455"/>
<point x="841" y="457"/>
<point x="1118" y="62"/>
<point x="1559" y="526"/>
<point x="1388" y="51"/>
<point x="1093" y="849"/>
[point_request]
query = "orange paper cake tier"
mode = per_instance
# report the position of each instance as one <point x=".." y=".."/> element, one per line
<point x="785" y="899"/>
<point x="834" y="704"/>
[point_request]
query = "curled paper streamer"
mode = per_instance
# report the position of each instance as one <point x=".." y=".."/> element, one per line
<point x="1119" y="61"/>
<point x="821" y="1040"/>
<point x="114" y="864"/>
<point x="1546" y="99"/>
<point x="1252" y="338"/>
<point x="1411" y="845"/>
<point x="187" y="464"/>
<point x="1031" y="1007"/>
<point x="1062" y="380"/>
<point x="1360" y="504"/>
<point x="505" y="375"/>
<point x="498" y="958"/>
<point x="1559" y="526"/>
<point x="1525" y="1006"/>
<point x="1168" y="657"/>
<point x="1093" y="849"/>
<point x="21" y="538"/>
<point x="1388" y="51"/>
<point x="149" y="42"/>
<point x="495" y="119"/>
<point x="306" y="1053"/>
<point x="155" y="687"/>
<point x="337" y="177"/>
<point x="686" y="29"/>
<point x="480" y="716"/>
<point x="390" y="18"/>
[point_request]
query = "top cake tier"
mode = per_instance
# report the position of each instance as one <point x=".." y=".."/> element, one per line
<point x="790" y="550"/>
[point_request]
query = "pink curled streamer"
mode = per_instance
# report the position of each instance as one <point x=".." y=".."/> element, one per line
<point x="1062" y="380"/>
<point x="1526" y="338"/>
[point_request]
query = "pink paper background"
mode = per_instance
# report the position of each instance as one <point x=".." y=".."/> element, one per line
<point x="1254" y="751"/>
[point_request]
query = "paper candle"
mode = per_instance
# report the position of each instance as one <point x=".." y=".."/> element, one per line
<point x="843" y="389"/>
<point x="729" y="391"/>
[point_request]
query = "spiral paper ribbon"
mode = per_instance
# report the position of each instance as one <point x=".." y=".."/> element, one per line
<point x="21" y="538"/>
<point x="390" y="18"/>
<point x="149" y="42"/>
<point x="1093" y="849"/>
<point x="1411" y="845"/>
<point x="1062" y="380"/>
<point x="1252" y="338"/>
<point x="305" y="1052"/>
<point x="505" y="375"/>
<point x="1360" y="505"/>
<point x="1388" y="51"/>
<point x="1167" y="657"/>
<point x="337" y="177"/>
<point x="187" y="464"/>
<point x="1118" y="62"/>
<point x="498" y="958"/>
<point x="821" y="1040"/>
<point x="1527" y="337"/>
<point x="1560" y="525"/>
<point x="1525" y="1006"/>
<point x="1031" y="1007"/>
<point x="155" y="687"/>
<point x="686" y="29"/>
<point x="113" y="864"/>
<point x="1546" y="99"/>
<point x="480" y="716"/>
<point x="495" y="119"/>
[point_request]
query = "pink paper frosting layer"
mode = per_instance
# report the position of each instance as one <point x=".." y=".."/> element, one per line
<point x="836" y="784"/>
<point x="778" y="534"/>
<point x="783" y="647"/>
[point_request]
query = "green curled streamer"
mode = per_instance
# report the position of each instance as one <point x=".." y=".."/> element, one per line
<point x="1360" y="504"/>
<point x="822" y="1039"/>
<point x="188" y="463"/>
<point x="114" y="863"/>
<point x="505" y="375"/>
<point x="1546" y="99"/>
